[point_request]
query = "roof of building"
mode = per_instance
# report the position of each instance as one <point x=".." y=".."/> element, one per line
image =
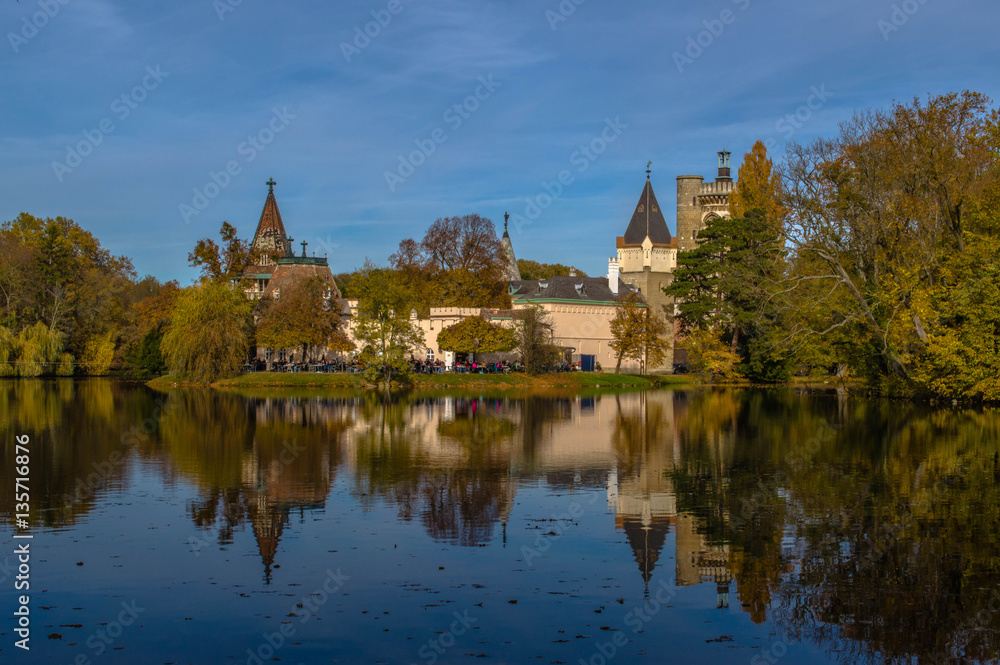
<point x="562" y="288"/>
<point x="289" y="272"/>
<point x="270" y="238"/>
<point x="647" y="221"/>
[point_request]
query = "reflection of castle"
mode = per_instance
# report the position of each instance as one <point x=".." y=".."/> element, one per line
<point x="277" y="480"/>
<point x="644" y="500"/>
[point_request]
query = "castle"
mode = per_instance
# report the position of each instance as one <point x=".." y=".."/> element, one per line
<point x="581" y="308"/>
<point x="647" y="253"/>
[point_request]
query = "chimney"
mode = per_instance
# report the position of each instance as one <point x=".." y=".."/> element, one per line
<point x="613" y="275"/>
<point x="572" y="271"/>
<point x="725" y="174"/>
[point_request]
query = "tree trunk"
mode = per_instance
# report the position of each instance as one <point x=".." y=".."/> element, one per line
<point x="618" y="367"/>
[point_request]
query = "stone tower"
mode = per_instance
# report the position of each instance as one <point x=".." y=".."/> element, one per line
<point x="698" y="201"/>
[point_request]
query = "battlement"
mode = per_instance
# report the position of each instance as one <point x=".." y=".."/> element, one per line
<point x="717" y="188"/>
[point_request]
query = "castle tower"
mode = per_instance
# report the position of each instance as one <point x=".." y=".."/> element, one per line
<point x="270" y="242"/>
<point x="647" y="256"/>
<point x="275" y="265"/>
<point x="698" y="201"/>
<point x="512" y="272"/>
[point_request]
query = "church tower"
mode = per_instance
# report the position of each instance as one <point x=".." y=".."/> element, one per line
<point x="273" y="263"/>
<point x="512" y="272"/>
<point x="270" y="242"/>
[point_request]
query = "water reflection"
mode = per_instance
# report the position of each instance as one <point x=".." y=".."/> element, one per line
<point x="865" y="528"/>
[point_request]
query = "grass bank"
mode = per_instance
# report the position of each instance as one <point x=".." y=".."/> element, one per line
<point x="433" y="382"/>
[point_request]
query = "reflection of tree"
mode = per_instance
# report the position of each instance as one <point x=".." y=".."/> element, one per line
<point x="899" y="553"/>
<point x="75" y="430"/>
<point x="461" y="491"/>
<point x="891" y="552"/>
<point x="538" y="416"/>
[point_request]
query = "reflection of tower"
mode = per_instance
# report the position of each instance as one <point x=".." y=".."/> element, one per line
<point x="507" y="492"/>
<point x="274" y="484"/>
<point x="646" y="536"/>
<point x="639" y="486"/>
<point x="698" y="562"/>
<point x="268" y="524"/>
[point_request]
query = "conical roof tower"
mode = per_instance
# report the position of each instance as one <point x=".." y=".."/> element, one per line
<point x="270" y="242"/>
<point x="512" y="272"/>
<point x="647" y="220"/>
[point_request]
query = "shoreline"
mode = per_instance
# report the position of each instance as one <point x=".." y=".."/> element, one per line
<point x="435" y="382"/>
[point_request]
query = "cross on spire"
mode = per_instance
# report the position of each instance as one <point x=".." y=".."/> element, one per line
<point x="270" y="185"/>
<point x="304" y="243"/>
<point x="648" y="164"/>
<point x="506" y="217"/>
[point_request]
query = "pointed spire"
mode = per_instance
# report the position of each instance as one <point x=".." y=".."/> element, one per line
<point x="512" y="272"/>
<point x="647" y="219"/>
<point x="270" y="239"/>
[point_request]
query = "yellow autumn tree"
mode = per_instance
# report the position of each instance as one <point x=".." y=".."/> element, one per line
<point x="758" y="187"/>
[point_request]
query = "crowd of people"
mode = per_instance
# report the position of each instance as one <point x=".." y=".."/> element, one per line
<point x="355" y="366"/>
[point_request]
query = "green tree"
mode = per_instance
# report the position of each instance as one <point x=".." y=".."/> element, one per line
<point x="305" y="315"/>
<point x="73" y="285"/>
<point x="875" y="217"/>
<point x="383" y="326"/>
<point x="225" y="261"/>
<point x="476" y="335"/>
<point x="532" y="270"/>
<point x="534" y="340"/>
<point x="695" y="286"/>
<point x="208" y="335"/>
<point x="146" y="358"/>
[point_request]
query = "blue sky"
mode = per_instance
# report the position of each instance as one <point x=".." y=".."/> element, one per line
<point x="163" y="95"/>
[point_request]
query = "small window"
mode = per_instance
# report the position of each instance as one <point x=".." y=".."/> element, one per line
<point x="430" y="355"/>
<point x="642" y="208"/>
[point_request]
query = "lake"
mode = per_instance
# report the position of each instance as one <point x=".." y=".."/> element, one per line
<point x="683" y="526"/>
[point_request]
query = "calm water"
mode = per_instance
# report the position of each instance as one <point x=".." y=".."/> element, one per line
<point x="683" y="527"/>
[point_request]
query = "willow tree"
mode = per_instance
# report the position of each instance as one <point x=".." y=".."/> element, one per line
<point x="40" y="351"/>
<point x="209" y="331"/>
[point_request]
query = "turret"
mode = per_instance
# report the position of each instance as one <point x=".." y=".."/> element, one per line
<point x="688" y="210"/>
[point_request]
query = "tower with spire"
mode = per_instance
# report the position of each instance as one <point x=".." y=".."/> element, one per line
<point x="275" y="265"/>
<point x="647" y="255"/>
<point x="512" y="272"/>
